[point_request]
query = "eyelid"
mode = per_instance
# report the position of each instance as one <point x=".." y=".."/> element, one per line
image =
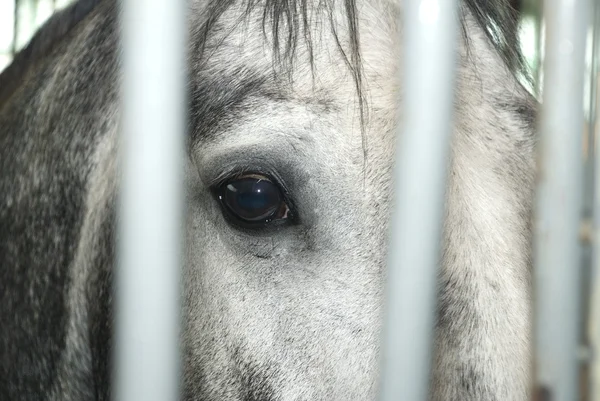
<point x="237" y="171"/>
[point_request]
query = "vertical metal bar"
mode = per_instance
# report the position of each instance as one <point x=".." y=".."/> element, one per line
<point x="538" y="48"/>
<point x="25" y="24"/>
<point x="44" y="10"/>
<point x="533" y="8"/>
<point x="430" y="29"/>
<point x="592" y="309"/>
<point x="15" y="28"/>
<point x="558" y="213"/>
<point x="593" y="323"/>
<point x="7" y="32"/>
<point x="148" y="275"/>
<point x="7" y="28"/>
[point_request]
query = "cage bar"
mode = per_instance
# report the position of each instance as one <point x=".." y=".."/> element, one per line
<point x="557" y="250"/>
<point x="592" y="318"/>
<point x="148" y="274"/>
<point x="430" y="29"/>
<point x="593" y="321"/>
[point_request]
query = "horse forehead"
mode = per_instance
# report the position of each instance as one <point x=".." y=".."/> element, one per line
<point x="237" y="51"/>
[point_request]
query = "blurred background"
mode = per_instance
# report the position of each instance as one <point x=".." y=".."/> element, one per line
<point x="19" y="19"/>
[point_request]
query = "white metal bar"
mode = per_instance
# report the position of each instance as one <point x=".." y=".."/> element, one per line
<point x="15" y="36"/>
<point x="7" y="26"/>
<point x="430" y="28"/>
<point x="25" y="23"/>
<point x="593" y="322"/>
<point x="148" y="277"/>
<point x="593" y="319"/>
<point x="558" y="213"/>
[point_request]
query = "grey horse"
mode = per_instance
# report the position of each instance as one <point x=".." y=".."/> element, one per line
<point x="282" y="294"/>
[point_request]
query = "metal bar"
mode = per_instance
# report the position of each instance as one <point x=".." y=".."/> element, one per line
<point x="539" y="6"/>
<point x="593" y="322"/>
<point x="25" y="23"/>
<point x="148" y="274"/>
<point x="7" y="26"/>
<point x="557" y="249"/>
<point x="15" y="28"/>
<point x="534" y="9"/>
<point x="430" y="29"/>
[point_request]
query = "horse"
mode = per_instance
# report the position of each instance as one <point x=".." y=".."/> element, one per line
<point x="293" y="107"/>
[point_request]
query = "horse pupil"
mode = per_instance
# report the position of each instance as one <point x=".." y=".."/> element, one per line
<point x="252" y="199"/>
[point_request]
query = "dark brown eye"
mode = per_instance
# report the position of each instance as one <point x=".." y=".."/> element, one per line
<point x="253" y="200"/>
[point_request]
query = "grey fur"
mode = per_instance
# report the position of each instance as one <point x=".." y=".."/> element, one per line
<point x="290" y="314"/>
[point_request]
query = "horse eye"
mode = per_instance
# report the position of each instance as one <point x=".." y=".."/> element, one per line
<point x="253" y="200"/>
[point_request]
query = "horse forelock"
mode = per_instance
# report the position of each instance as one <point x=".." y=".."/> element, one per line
<point x="286" y="21"/>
